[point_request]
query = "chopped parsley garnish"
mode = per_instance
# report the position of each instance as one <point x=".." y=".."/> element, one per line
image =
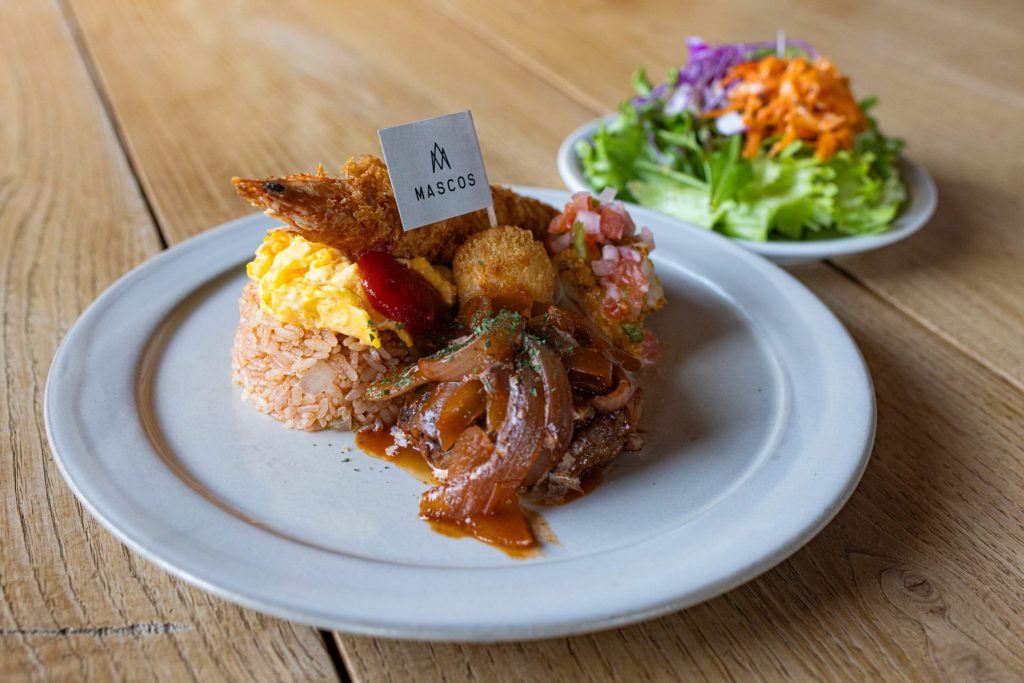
<point x="633" y="331"/>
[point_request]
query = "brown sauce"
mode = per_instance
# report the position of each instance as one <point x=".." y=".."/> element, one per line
<point x="513" y="530"/>
<point x="508" y="531"/>
<point x="376" y="444"/>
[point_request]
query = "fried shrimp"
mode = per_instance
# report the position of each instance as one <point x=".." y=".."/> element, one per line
<point x="501" y="262"/>
<point x="353" y="213"/>
<point x="357" y="212"/>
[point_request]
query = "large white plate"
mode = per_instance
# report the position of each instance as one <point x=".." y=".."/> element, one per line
<point x="921" y="202"/>
<point x="760" y="421"/>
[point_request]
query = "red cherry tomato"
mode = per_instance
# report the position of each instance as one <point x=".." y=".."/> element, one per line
<point x="399" y="292"/>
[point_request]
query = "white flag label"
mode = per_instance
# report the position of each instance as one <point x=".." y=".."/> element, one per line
<point x="436" y="169"/>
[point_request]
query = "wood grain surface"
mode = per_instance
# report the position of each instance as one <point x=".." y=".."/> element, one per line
<point x="125" y="129"/>
<point x="307" y="86"/>
<point x="74" y="603"/>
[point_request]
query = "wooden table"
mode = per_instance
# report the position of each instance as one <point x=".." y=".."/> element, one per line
<point x="121" y="123"/>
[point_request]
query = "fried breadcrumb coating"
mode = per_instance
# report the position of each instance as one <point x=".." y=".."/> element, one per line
<point x="357" y="212"/>
<point x="582" y="290"/>
<point x="501" y="262"/>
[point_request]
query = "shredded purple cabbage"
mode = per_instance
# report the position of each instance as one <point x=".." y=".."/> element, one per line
<point x="698" y="87"/>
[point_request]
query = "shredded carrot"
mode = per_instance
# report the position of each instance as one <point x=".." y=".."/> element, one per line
<point x="794" y="98"/>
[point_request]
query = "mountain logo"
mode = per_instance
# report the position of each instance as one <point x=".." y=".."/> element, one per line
<point x="439" y="159"/>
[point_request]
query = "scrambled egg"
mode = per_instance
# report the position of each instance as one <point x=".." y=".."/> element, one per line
<point x="314" y="286"/>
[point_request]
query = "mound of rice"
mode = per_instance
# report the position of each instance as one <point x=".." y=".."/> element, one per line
<point x="311" y="380"/>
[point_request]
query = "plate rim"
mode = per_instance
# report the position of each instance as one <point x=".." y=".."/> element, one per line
<point x="550" y="628"/>
<point x="912" y="216"/>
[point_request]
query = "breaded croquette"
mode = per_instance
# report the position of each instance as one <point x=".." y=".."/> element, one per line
<point x="357" y="212"/>
<point x="502" y="262"/>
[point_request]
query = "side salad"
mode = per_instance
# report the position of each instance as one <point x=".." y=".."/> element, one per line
<point x="756" y="140"/>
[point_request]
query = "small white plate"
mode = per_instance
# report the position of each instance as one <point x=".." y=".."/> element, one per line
<point x="922" y="199"/>
<point x="760" y="419"/>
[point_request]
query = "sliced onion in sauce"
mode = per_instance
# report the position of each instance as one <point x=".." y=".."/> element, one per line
<point x="520" y="438"/>
<point x="558" y="407"/>
<point x="454" y="501"/>
<point x="460" y="410"/>
<point x="617" y="397"/>
<point x="395" y="384"/>
<point x="589" y="370"/>
<point x="496" y="386"/>
<point x="497" y="341"/>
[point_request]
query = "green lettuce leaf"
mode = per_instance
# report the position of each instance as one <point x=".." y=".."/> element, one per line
<point x="609" y="159"/>
<point x="684" y="202"/>
<point x="865" y="203"/>
<point x="680" y="165"/>
<point x="787" y="194"/>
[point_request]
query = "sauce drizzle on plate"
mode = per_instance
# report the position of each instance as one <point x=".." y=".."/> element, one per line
<point x="377" y="443"/>
<point x="507" y="530"/>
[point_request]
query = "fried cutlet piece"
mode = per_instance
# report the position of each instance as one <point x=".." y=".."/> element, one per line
<point x="357" y="212"/>
<point x="581" y="288"/>
<point x="501" y="262"/>
<point x="438" y="242"/>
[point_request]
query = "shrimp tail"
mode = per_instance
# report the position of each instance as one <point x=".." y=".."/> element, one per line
<point x="353" y="213"/>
